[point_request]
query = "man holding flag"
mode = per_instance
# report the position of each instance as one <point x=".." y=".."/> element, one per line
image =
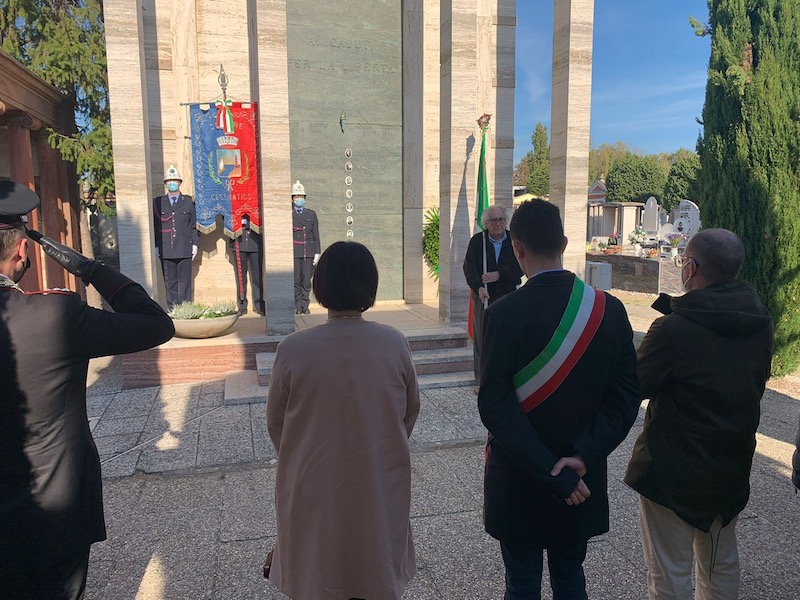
<point x="489" y="265"/>
<point x="558" y="393"/>
<point x="491" y="271"/>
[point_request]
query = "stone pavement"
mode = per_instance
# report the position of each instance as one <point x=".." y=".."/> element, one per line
<point x="189" y="485"/>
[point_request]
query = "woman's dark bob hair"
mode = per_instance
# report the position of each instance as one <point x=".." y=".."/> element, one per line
<point x="346" y="277"/>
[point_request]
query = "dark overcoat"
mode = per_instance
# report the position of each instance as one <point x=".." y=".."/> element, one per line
<point x="50" y="485"/>
<point x="589" y="414"/>
<point x="175" y="227"/>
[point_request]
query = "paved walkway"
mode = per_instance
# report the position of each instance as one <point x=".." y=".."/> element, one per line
<point x="189" y="486"/>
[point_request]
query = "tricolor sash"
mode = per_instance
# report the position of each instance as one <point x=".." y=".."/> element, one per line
<point x="581" y="319"/>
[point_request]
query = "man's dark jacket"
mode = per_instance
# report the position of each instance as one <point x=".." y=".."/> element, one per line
<point x="510" y="271"/>
<point x="704" y="367"/>
<point x="50" y="485"/>
<point x="589" y="414"/>
<point x="175" y="227"/>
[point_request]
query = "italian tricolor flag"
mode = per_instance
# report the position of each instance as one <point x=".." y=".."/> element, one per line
<point x="542" y="376"/>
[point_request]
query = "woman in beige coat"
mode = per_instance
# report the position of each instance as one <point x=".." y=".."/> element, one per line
<point x="343" y="400"/>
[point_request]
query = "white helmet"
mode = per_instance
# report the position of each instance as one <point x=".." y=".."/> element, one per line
<point x="298" y="189"/>
<point x="172" y="174"/>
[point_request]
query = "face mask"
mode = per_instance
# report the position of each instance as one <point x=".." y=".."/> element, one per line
<point x="683" y="283"/>
<point x="299" y="202"/>
<point x="173" y="186"/>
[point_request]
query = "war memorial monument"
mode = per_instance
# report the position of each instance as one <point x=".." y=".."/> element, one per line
<point x="372" y="105"/>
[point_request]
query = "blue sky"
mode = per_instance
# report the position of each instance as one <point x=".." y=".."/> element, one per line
<point x="648" y="74"/>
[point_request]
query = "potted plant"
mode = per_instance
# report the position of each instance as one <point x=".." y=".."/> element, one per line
<point x="675" y="239"/>
<point x="637" y="237"/>
<point x="195" y="320"/>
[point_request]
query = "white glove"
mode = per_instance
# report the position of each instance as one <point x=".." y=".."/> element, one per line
<point x="158" y="254"/>
<point x="194" y="251"/>
<point x="316" y="259"/>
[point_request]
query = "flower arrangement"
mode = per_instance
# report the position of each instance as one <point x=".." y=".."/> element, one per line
<point x="194" y="310"/>
<point x="637" y="236"/>
<point x="675" y="238"/>
<point x="483" y="122"/>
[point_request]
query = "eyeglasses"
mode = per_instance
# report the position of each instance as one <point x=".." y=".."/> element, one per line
<point x="682" y="261"/>
<point x="497" y="221"/>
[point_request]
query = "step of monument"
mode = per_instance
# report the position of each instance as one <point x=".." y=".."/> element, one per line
<point x="427" y="362"/>
<point x="242" y="387"/>
<point x="437" y="337"/>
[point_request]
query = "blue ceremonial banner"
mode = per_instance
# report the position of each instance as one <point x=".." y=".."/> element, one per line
<point x="225" y="165"/>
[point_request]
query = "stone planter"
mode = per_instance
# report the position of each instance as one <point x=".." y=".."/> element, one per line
<point x="203" y="328"/>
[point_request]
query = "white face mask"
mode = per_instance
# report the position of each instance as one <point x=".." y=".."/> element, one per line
<point x="684" y="282"/>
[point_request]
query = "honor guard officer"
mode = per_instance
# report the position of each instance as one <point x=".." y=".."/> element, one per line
<point x="177" y="238"/>
<point x="247" y="256"/>
<point x="305" y="236"/>
<point x="51" y="498"/>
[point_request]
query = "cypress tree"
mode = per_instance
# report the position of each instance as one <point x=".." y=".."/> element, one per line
<point x="750" y="151"/>
<point x="539" y="177"/>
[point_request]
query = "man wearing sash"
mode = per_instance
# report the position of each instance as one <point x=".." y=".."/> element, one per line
<point x="558" y="393"/>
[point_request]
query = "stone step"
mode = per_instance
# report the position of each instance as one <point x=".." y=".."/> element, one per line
<point x="242" y="387"/>
<point x="427" y="362"/>
<point x="437" y="337"/>
<point x="446" y="380"/>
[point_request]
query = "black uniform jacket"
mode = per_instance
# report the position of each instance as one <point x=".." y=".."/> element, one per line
<point x="305" y="233"/>
<point x="589" y="414"/>
<point x="249" y="241"/>
<point x="704" y="367"/>
<point x="510" y="271"/>
<point x="175" y="227"/>
<point x="50" y="486"/>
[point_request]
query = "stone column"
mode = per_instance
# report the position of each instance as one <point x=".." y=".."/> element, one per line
<point x="413" y="135"/>
<point x="569" y="134"/>
<point x="503" y="84"/>
<point x="271" y="79"/>
<point x="53" y="218"/>
<point x="431" y="122"/>
<point x="127" y="90"/>
<point x="21" y="159"/>
<point x="459" y="148"/>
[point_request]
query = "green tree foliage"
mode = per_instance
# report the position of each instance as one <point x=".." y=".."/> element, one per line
<point x="430" y="241"/>
<point x="750" y="152"/>
<point x="635" y="178"/>
<point x="539" y="178"/>
<point x="603" y="158"/>
<point x="522" y="169"/>
<point x="63" y="42"/>
<point x="683" y="179"/>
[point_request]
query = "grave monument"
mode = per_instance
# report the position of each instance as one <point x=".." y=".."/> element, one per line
<point x="372" y="105"/>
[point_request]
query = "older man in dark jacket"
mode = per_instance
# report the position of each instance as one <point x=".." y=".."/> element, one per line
<point x="491" y="271"/>
<point x="704" y="367"/>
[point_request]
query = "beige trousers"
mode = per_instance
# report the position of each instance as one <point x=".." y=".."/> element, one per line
<point x="671" y="546"/>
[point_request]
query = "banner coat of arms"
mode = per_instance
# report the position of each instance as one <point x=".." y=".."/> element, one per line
<point x="225" y="165"/>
